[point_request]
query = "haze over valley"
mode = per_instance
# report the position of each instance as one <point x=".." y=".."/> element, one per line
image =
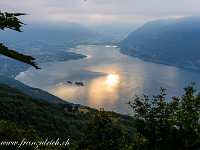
<point x="58" y="47"/>
<point x="100" y="74"/>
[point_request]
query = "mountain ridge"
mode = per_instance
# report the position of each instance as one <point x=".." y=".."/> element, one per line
<point x="168" y="41"/>
<point x="35" y="92"/>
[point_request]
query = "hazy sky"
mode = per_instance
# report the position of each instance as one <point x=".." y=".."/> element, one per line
<point x="101" y="12"/>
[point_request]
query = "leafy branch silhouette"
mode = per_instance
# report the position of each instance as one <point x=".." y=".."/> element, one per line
<point x="10" y="21"/>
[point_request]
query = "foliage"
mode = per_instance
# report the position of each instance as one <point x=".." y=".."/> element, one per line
<point x="139" y="142"/>
<point x="52" y="121"/>
<point x="10" y="20"/>
<point x="173" y="125"/>
<point x="15" y="55"/>
<point x="49" y="120"/>
<point x="102" y="132"/>
<point x="10" y="132"/>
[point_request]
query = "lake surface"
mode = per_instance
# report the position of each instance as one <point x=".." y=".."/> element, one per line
<point x="111" y="79"/>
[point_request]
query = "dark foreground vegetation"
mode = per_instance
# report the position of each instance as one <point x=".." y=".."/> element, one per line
<point x="21" y="114"/>
<point x="155" y="125"/>
<point x="173" y="125"/>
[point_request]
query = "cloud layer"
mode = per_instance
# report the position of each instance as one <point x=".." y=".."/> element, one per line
<point x="102" y="11"/>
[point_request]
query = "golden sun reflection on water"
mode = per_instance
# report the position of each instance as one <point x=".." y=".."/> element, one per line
<point x="112" y="80"/>
<point x="88" y="56"/>
<point x="66" y="92"/>
<point x="103" y="91"/>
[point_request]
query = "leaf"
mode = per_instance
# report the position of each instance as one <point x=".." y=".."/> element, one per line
<point x="15" y="55"/>
<point x="9" y="20"/>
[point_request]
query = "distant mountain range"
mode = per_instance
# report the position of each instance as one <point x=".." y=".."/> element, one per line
<point x="51" y="32"/>
<point x="47" y="39"/>
<point x="168" y="41"/>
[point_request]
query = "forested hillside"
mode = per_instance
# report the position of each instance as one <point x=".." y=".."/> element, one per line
<point x="169" y="41"/>
<point x="50" y="120"/>
<point x="35" y="92"/>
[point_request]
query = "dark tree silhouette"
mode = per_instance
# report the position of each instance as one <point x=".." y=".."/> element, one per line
<point x="102" y="132"/>
<point x="167" y="125"/>
<point x="10" y="21"/>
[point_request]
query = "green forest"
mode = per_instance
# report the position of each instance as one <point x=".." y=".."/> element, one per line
<point x="48" y="120"/>
<point x="156" y="124"/>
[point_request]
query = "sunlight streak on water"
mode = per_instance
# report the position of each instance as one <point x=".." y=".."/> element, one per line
<point x="101" y="94"/>
<point x="112" y="80"/>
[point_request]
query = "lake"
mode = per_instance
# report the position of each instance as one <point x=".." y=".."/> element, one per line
<point x="110" y="78"/>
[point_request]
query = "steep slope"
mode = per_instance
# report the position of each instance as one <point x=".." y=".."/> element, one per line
<point x="168" y="41"/>
<point x="35" y="92"/>
<point x="50" y="120"/>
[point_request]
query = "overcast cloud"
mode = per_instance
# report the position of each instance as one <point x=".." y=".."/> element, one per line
<point x="92" y="12"/>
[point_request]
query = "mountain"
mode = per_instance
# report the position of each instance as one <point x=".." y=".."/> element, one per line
<point x="168" y="41"/>
<point x="49" y="120"/>
<point x="35" y="92"/>
<point x="50" y="32"/>
<point x="47" y="39"/>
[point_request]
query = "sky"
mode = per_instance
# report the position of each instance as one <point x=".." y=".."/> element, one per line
<point x="110" y="13"/>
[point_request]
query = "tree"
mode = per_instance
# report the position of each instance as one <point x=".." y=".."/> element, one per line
<point x="173" y="125"/>
<point x="10" y="21"/>
<point x="103" y="133"/>
<point x="11" y="136"/>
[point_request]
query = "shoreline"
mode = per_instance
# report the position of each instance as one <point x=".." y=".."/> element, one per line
<point x="13" y="68"/>
<point x="149" y="59"/>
